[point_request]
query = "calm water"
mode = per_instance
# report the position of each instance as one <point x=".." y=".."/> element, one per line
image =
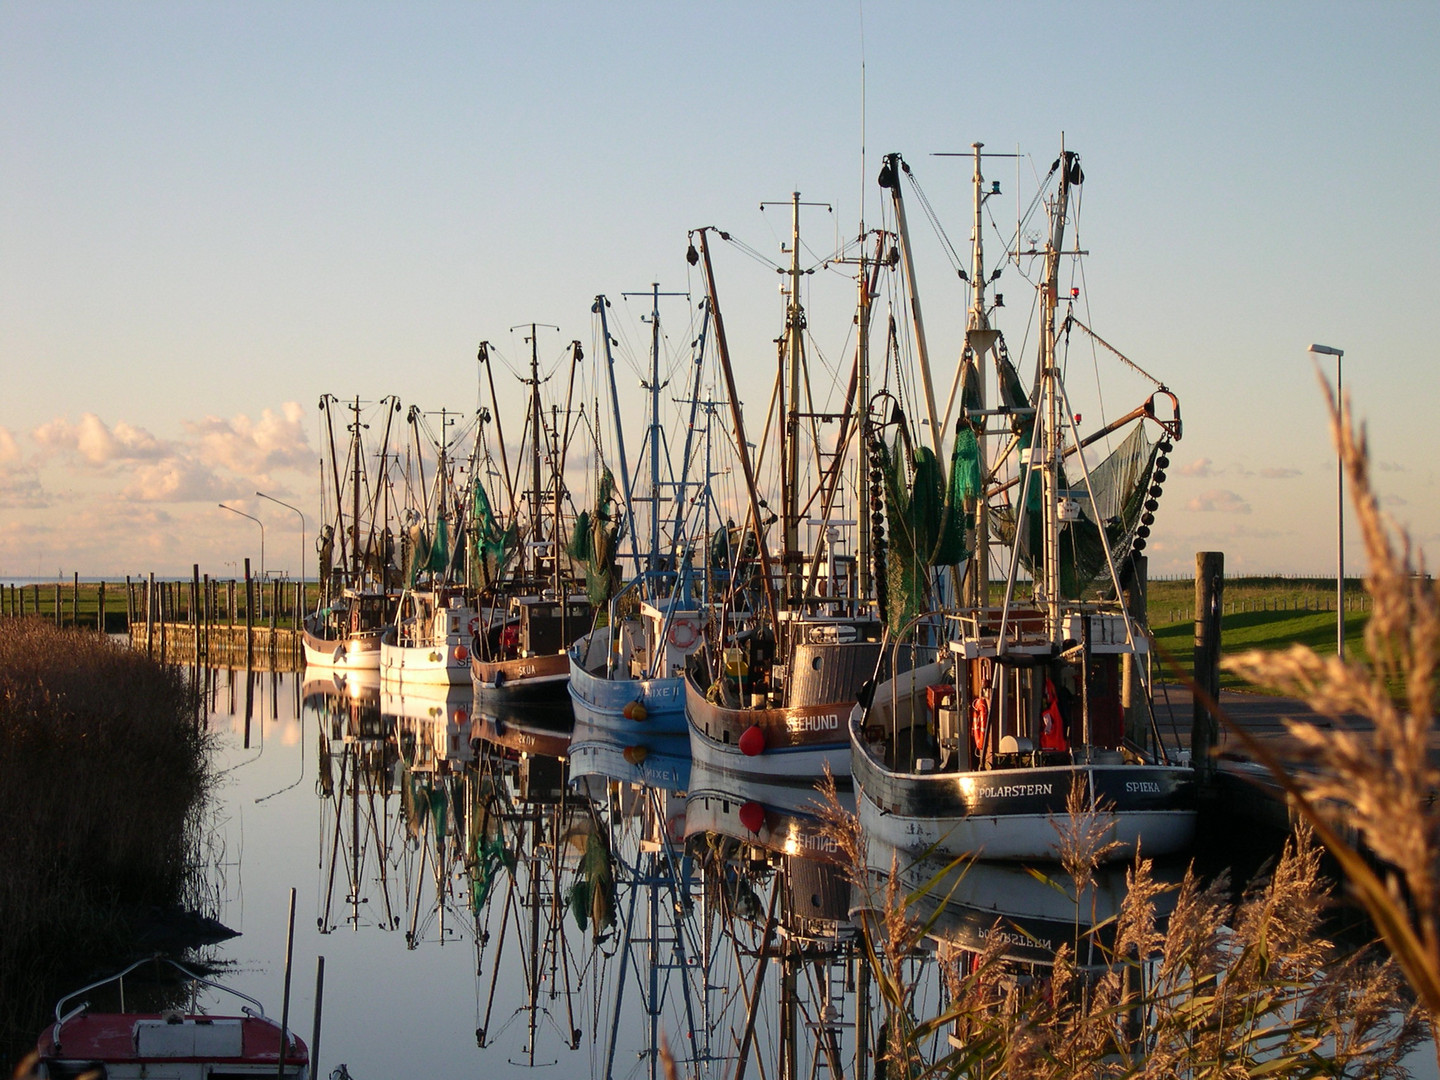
<point x="439" y="860"/>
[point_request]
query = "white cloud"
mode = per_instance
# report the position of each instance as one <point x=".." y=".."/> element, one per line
<point x="1200" y="467"/>
<point x="97" y="444"/>
<point x="175" y="479"/>
<point x="1219" y="501"/>
<point x="255" y="449"/>
<point x="1279" y="473"/>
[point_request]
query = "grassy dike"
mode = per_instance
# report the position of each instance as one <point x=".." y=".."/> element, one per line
<point x="103" y="771"/>
<point x="1260" y="613"/>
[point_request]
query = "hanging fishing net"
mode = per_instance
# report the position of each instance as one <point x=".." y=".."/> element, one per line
<point x="594" y="542"/>
<point x="1105" y="524"/>
<point x="491" y="547"/>
<point x="927" y="518"/>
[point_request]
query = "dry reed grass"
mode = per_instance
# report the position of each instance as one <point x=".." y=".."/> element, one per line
<point x="1221" y="988"/>
<point x="102" y="774"/>
<point x="1381" y="782"/>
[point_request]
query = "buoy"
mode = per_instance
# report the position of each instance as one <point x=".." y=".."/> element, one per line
<point x="635" y="755"/>
<point x="461" y="653"/>
<point x="634" y="711"/>
<point x="752" y="741"/>
<point x="752" y="816"/>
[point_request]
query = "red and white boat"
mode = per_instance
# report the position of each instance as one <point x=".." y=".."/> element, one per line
<point x="175" y="1045"/>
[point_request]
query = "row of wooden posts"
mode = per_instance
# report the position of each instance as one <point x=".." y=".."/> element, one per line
<point x="193" y="620"/>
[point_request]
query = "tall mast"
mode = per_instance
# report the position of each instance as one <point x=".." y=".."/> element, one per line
<point x="355" y="561"/>
<point x="790" y="406"/>
<point x="723" y="347"/>
<point x="653" y="432"/>
<point x="600" y="305"/>
<point x="1049" y="431"/>
<point x="980" y="339"/>
<point x="890" y="177"/>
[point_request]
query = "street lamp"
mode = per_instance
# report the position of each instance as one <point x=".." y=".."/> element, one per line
<point x="1339" y="354"/>
<point x="257" y="521"/>
<point x="302" y="530"/>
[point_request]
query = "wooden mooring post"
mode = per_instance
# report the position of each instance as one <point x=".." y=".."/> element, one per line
<point x="249" y="618"/>
<point x="1209" y="605"/>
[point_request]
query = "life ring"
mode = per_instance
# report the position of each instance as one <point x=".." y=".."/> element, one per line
<point x="685" y="640"/>
<point x="474" y="625"/>
<point x="979" y="720"/>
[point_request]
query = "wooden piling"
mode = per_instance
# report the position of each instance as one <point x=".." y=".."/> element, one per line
<point x="100" y="606"/>
<point x="249" y="618"/>
<point x="150" y="615"/>
<point x="1209" y="601"/>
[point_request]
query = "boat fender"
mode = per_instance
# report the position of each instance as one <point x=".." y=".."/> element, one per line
<point x="683" y="634"/>
<point x="752" y="741"/>
<point x="635" y="755"/>
<point x="752" y="816"/>
<point x="461" y="653"/>
<point x="634" y="711"/>
<point x="462" y="715"/>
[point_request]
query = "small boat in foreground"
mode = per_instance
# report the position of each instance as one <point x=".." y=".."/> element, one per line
<point x="178" y="1046"/>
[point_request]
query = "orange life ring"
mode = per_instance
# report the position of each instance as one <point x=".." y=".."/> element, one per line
<point x="979" y="721"/>
<point x="690" y="636"/>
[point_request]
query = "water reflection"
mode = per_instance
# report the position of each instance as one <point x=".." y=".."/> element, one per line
<point x="588" y="895"/>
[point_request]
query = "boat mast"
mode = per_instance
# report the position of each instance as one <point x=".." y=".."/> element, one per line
<point x="355" y="561"/>
<point x="599" y="309"/>
<point x="789" y="410"/>
<point x="1049" y="430"/>
<point x="723" y="347"/>
<point x="980" y="339"/>
<point x="890" y="177"/>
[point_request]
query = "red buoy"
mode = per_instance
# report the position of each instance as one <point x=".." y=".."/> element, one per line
<point x="752" y="741"/>
<point x="752" y="816"/>
<point x="635" y="755"/>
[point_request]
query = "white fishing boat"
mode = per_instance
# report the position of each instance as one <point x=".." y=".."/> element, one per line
<point x="431" y="639"/>
<point x="976" y="748"/>
<point x="357" y="604"/>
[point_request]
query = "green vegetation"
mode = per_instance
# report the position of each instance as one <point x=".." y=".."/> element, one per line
<point x="104" y="771"/>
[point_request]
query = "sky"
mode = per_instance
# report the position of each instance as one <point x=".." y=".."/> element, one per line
<point x="213" y="214"/>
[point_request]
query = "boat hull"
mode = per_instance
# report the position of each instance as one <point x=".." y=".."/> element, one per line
<point x="445" y="665"/>
<point x="525" y="680"/>
<point x="602" y="702"/>
<point x="798" y="742"/>
<point x="1012" y="814"/>
<point x="129" y="1046"/>
<point x="354" y="652"/>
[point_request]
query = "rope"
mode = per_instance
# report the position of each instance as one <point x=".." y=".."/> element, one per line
<point x="1069" y="319"/>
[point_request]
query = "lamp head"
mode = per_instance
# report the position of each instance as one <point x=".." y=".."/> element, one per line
<point x="1326" y="350"/>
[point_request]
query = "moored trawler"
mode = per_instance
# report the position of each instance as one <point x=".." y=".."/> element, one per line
<point x="430" y="641"/>
<point x="1022" y="705"/>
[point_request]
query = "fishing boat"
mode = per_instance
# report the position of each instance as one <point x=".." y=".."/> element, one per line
<point x="436" y="620"/>
<point x="357" y="601"/>
<point x="770" y="700"/>
<point x="976" y="750"/>
<point x="533" y="609"/>
<point x="180" y="1045"/>
<point x="629" y="673"/>
<point x="430" y="641"/>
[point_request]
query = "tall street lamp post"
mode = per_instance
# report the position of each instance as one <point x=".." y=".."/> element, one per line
<point x="302" y="529"/>
<point x="1339" y="354"/>
<point x="257" y="521"/>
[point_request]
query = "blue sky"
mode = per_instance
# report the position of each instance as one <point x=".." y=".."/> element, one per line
<point x="212" y="214"/>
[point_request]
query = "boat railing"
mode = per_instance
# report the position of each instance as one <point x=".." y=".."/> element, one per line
<point x="62" y="1017"/>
